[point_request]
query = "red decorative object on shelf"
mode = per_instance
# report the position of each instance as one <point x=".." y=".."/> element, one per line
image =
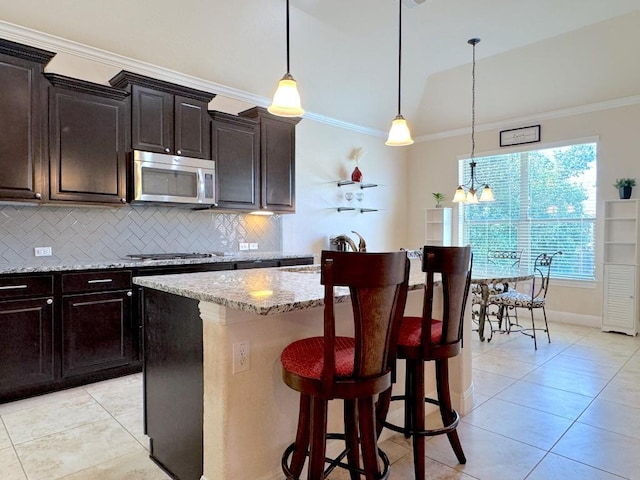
<point x="356" y="175"/>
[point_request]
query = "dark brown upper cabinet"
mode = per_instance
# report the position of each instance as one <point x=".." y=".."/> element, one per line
<point x="87" y="141"/>
<point x="167" y="118"/>
<point x="277" y="160"/>
<point x="235" y="148"/>
<point x="23" y="107"/>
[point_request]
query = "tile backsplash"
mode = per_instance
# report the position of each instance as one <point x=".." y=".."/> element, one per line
<point x="82" y="234"/>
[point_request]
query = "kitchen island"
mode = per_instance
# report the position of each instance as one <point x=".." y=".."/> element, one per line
<point x="204" y="419"/>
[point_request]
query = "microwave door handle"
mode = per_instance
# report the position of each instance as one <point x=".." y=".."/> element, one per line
<point x="201" y="186"/>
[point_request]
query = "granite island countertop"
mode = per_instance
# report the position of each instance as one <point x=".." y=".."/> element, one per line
<point x="53" y="265"/>
<point x="264" y="291"/>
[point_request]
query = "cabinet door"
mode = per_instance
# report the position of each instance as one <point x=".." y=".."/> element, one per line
<point x="278" y="165"/>
<point x="620" y="300"/>
<point x="26" y="343"/>
<point x="87" y="142"/>
<point x="236" y="155"/>
<point x="22" y="132"/>
<point x="191" y="128"/>
<point x="151" y="120"/>
<point x="96" y="332"/>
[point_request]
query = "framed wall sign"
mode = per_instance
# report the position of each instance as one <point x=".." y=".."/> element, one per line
<point x="517" y="136"/>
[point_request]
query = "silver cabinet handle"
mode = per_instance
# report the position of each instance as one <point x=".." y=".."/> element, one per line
<point x="167" y="150"/>
<point x="38" y="196"/>
<point x="49" y="301"/>
<point x="179" y="152"/>
<point x="103" y="280"/>
<point x="123" y="200"/>
<point x="13" y="287"/>
<point x="129" y="294"/>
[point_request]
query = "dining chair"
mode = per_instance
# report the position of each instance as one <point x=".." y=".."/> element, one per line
<point x="498" y="260"/>
<point x="355" y="369"/>
<point x="427" y="338"/>
<point x="535" y="298"/>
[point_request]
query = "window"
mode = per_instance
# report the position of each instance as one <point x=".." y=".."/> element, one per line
<point x="545" y="202"/>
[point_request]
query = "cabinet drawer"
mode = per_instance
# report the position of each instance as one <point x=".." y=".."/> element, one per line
<point x="26" y="286"/>
<point x="96" y="281"/>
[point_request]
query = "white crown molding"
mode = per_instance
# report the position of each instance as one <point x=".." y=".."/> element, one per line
<point x="56" y="44"/>
<point x="536" y="118"/>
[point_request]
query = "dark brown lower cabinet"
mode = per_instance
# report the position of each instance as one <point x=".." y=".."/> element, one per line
<point x="96" y="332"/>
<point x="26" y="344"/>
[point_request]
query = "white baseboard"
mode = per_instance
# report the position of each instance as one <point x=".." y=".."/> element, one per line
<point x="574" y="319"/>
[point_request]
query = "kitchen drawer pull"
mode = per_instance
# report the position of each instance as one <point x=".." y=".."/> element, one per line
<point x="129" y="294"/>
<point x="102" y="280"/>
<point x="49" y="301"/>
<point x="13" y="287"/>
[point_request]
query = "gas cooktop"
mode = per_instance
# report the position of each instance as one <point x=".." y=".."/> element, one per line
<point x="169" y="256"/>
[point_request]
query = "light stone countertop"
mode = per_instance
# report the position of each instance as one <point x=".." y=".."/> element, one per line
<point x="264" y="291"/>
<point x="53" y="265"/>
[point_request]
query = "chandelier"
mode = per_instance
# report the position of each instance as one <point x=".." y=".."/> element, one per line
<point x="470" y="196"/>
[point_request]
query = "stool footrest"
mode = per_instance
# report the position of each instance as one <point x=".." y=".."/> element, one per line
<point x="432" y="432"/>
<point x="334" y="462"/>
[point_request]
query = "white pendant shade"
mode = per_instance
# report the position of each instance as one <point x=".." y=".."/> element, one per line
<point x="286" y="100"/>
<point x="399" y="134"/>
<point x="471" y="196"/>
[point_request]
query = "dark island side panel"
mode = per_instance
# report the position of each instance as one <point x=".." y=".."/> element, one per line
<point x="173" y="383"/>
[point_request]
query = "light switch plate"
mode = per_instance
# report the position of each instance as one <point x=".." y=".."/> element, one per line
<point x="253" y="246"/>
<point x="244" y="246"/>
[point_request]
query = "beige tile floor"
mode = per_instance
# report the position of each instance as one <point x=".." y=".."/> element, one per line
<point x="570" y="410"/>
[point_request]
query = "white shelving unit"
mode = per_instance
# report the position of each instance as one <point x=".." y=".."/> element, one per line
<point x="437" y="226"/>
<point x="620" y="312"/>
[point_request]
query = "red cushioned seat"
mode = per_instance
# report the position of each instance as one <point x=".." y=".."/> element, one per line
<point x="306" y="357"/>
<point x="411" y="330"/>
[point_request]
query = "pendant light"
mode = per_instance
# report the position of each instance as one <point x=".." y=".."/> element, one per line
<point x="471" y="196"/>
<point x="399" y="134"/>
<point x="286" y="100"/>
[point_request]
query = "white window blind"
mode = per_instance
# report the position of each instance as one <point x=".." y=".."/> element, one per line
<point x="545" y="202"/>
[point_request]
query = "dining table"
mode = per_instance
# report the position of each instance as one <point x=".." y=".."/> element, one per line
<point x="487" y="277"/>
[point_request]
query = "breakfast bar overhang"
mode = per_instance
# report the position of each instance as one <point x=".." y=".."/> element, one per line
<point x="204" y="419"/>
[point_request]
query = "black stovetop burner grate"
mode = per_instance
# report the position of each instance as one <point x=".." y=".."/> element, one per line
<point x="167" y="256"/>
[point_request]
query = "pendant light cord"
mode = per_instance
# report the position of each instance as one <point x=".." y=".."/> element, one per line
<point x="399" y="49"/>
<point x="473" y="102"/>
<point x="288" y="72"/>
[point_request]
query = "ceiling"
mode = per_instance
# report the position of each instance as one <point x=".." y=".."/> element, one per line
<point x="344" y="52"/>
<point x="435" y="35"/>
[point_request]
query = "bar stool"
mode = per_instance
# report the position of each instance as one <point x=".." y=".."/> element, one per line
<point x="423" y="339"/>
<point x="355" y="369"/>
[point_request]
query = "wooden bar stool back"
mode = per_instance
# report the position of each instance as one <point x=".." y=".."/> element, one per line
<point x="355" y="369"/>
<point x="425" y="338"/>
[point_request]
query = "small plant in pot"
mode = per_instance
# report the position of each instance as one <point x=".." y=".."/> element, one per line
<point x="624" y="186"/>
<point x="439" y="199"/>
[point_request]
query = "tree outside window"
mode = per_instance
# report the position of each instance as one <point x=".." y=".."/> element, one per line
<point x="545" y="202"/>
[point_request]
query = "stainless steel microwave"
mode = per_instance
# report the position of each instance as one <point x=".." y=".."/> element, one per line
<point x="162" y="178"/>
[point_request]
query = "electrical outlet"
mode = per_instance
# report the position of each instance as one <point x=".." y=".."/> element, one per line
<point x="244" y="246"/>
<point x="42" y="251"/>
<point x="253" y="246"/>
<point x="241" y="356"/>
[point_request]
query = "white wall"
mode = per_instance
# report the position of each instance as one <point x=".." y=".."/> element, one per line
<point x="434" y="167"/>
<point x="322" y="158"/>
